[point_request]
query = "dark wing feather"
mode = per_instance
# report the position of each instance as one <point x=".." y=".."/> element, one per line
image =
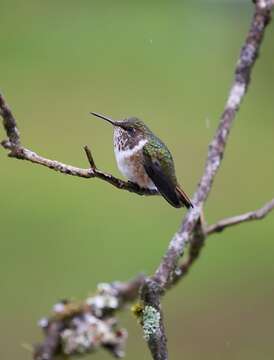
<point x="161" y="172"/>
<point x="185" y="199"/>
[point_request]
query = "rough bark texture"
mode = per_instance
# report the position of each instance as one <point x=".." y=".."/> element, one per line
<point x="168" y="271"/>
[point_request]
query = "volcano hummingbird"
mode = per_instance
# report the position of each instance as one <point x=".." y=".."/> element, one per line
<point x="145" y="160"/>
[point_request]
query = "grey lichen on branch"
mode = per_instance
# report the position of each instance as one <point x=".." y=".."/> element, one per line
<point x="152" y="319"/>
<point x="78" y="328"/>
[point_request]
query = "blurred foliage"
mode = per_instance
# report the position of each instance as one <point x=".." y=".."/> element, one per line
<point x="171" y="64"/>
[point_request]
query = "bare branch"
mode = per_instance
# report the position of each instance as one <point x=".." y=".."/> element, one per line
<point x="168" y="272"/>
<point x="238" y="219"/>
<point x="195" y="247"/>
<point x="51" y="343"/>
<point x="90" y="157"/>
<point x="9" y="123"/>
<point x="247" y="59"/>
<point x="19" y="152"/>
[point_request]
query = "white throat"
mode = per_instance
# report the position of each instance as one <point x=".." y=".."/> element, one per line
<point x="129" y="152"/>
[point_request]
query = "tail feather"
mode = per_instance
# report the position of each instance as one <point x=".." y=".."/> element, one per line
<point x="183" y="197"/>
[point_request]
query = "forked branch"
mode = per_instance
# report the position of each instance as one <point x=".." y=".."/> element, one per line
<point x="13" y="144"/>
<point x="192" y="231"/>
<point x="168" y="271"/>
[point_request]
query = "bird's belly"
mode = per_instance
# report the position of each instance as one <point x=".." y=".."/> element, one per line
<point x="131" y="166"/>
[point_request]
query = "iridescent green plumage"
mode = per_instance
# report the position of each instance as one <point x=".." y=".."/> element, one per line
<point x="145" y="159"/>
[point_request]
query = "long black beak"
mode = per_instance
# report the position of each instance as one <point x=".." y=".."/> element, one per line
<point x="108" y="119"/>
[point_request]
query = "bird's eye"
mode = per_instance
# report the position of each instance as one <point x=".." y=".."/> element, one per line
<point x="130" y="130"/>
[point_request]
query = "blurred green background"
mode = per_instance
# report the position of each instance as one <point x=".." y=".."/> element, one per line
<point x="170" y="63"/>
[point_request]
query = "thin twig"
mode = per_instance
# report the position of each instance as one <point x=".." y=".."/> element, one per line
<point x="18" y="151"/>
<point x="9" y="123"/>
<point x="238" y="219"/>
<point x="90" y="157"/>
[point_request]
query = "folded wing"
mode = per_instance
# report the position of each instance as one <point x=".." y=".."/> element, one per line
<point x="160" y="168"/>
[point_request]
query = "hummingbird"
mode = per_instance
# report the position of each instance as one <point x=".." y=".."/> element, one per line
<point x="145" y="160"/>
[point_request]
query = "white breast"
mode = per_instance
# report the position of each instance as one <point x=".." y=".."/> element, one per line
<point x="122" y="158"/>
<point x="131" y="168"/>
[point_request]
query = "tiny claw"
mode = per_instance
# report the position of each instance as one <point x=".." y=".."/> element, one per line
<point x="134" y="185"/>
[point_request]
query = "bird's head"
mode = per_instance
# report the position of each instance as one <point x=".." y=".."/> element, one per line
<point x="132" y="126"/>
